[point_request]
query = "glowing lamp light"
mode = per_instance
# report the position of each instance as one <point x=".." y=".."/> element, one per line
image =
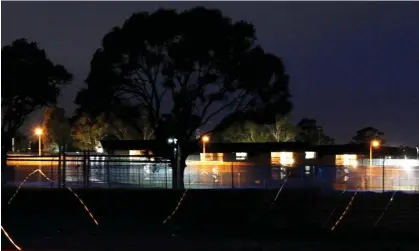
<point x="38" y="131"/>
<point x="172" y="140"/>
<point x="375" y="143"/>
<point x="205" y="139"/>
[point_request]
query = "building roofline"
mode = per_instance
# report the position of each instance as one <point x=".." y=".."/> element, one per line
<point x="265" y="147"/>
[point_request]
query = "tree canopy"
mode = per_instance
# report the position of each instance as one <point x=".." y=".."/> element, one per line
<point x="309" y="132"/>
<point x="30" y="80"/>
<point x="185" y="69"/>
<point x="245" y="132"/>
<point x="367" y="134"/>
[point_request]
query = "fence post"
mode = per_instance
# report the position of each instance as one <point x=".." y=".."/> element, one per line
<point x="139" y="176"/>
<point x="59" y="167"/>
<point x="64" y="167"/>
<point x="108" y="171"/>
<point x="84" y="168"/>
<point x="232" y="175"/>
<point x="139" y="173"/>
<point x="52" y="171"/>
<point x="384" y="159"/>
<point x="165" y="168"/>
<point x="88" y="169"/>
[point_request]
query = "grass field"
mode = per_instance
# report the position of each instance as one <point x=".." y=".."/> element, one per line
<point x="209" y="219"/>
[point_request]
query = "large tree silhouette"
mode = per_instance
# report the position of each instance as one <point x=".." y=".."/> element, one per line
<point x="186" y="69"/>
<point x="30" y="80"/>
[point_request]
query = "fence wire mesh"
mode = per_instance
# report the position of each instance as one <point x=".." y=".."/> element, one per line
<point x="123" y="171"/>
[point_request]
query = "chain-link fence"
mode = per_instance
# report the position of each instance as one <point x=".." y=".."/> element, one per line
<point x="105" y="171"/>
<point x="122" y="171"/>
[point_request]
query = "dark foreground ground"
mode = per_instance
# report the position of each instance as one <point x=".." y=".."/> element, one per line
<point x="52" y="219"/>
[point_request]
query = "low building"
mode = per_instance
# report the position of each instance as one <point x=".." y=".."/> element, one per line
<point x="272" y="154"/>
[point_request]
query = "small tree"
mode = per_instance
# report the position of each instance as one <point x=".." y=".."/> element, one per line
<point x="282" y="130"/>
<point x="186" y="69"/>
<point x="309" y="132"/>
<point x="87" y="132"/>
<point x="56" y="129"/>
<point x="246" y="132"/>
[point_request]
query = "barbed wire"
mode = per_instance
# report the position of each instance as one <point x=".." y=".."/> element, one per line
<point x="345" y="211"/>
<point x="177" y="207"/>
<point x="385" y="209"/>
<point x="280" y="190"/>
<point x="10" y="239"/>
<point x="334" y="209"/>
<point x="68" y="188"/>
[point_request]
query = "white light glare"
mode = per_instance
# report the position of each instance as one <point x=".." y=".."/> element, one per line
<point x="172" y="140"/>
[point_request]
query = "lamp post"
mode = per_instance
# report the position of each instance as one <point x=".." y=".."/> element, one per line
<point x="205" y="139"/>
<point x="173" y="141"/>
<point x="38" y="131"/>
<point x="373" y="143"/>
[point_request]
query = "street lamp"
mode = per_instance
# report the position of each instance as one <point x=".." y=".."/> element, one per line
<point x="38" y="131"/>
<point x="373" y="143"/>
<point x="173" y="141"/>
<point x="205" y="139"/>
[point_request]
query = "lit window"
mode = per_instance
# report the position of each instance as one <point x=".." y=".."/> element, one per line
<point x="136" y="155"/>
<point x="282" y="158"/>
<point x="310" y="155"/>
<point x="346" y="160"/>
<point x="241" y="156"/>
<point x="136" y="152"/>
<point x="212" y="156"/>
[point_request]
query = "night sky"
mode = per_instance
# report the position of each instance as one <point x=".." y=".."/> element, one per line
<point x="352" y="64"/>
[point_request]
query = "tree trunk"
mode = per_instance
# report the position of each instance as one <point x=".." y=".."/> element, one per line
<point x="178" y="172"/>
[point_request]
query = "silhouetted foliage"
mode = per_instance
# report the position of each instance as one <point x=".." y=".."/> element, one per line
<point x="365" y="135"/>
<point x="311" y="133"/>
<point x="185" y="69"/>
<point x="56" y="129"/>
<point x="21" y="142"/>
<point x="29" y="81"/>
<point x="130" y="122"/>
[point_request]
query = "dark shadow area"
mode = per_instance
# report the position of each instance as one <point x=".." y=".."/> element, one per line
<point x="235" y="220"/>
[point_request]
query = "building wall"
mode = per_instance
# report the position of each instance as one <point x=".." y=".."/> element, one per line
<point x="121" y="152"/>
